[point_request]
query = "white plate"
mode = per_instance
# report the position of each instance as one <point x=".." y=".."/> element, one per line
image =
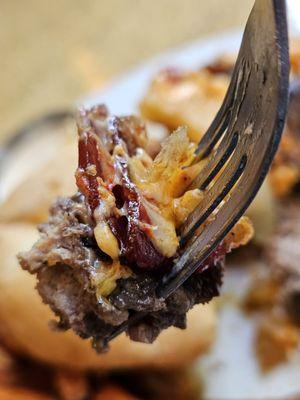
<point x="230" y="371"/>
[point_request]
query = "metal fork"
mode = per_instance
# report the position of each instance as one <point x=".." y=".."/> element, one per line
<point x="239" y="145"/>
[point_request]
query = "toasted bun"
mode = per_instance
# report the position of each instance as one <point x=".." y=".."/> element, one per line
<point x="24" y="322"/>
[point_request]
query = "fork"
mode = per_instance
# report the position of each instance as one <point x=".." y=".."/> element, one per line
<point x="239" y="146"/>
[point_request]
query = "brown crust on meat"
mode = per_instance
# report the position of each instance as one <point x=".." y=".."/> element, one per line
<point x="63" y="268"/>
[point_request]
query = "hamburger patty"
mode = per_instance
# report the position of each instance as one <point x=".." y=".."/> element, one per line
<point x="65" y="258"/>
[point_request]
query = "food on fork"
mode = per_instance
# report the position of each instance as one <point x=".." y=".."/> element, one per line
<point x="102" y="251"/>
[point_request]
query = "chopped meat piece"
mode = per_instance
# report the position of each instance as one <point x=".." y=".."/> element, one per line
<point x="262" y="295"/>
<point x="102" y="251"/>
<point x="275" y="342"/>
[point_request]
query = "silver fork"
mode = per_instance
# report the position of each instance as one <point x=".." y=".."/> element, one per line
<point x="239" y="145"/>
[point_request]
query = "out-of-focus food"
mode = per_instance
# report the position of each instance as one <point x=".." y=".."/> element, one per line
<point x="285" y="172"/>
<point x="263" y="217"/>
<point x="283" y="254"/>
<point x="71" y="385"/>
<point x="295" y="56"/>
<point x="276" y="340"/>
<point x="21" y="379"/>
<point x="172" y="384"/>
<point x="113" y="393"/>
<point x="178" y="98"/>
<point x="101" y="252"/>
<point x="276" y="295"/>
<point x="8" y="393"/>
<point x="262" y="295"/>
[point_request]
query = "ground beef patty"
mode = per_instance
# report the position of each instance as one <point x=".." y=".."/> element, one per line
<point x="102" y="252"/>
<point x="64" y="260"/>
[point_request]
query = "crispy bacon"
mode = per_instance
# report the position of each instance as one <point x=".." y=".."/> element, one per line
<point x="95" y="168"/>
<point x="136" y="249"/>
<point x="136" y="246"/>
<point x="93" y="158"/>
<point x="88" y="158"/>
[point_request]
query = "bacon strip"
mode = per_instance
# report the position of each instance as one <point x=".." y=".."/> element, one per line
<point x="95" y="168"/>
<point x="94" y="160"/>
<point x="136" y="246"/>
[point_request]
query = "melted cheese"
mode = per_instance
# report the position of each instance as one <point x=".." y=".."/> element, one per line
<point x="105" y="277"/>
<point x="162" y="184"/>
<point x="106" y="240"/>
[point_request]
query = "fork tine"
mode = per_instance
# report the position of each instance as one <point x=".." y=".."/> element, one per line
<point x="197" y="250"/>
<point x="213" y="197"/>
<point x="217" y="127"/>
<point x="224" y="150"/>
<point x="222" y="119"/>
<point x="215" y="163"/>
<point x="224" y="153"/>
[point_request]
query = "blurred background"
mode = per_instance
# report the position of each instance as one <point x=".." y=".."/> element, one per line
<point x="54" y="52"/>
